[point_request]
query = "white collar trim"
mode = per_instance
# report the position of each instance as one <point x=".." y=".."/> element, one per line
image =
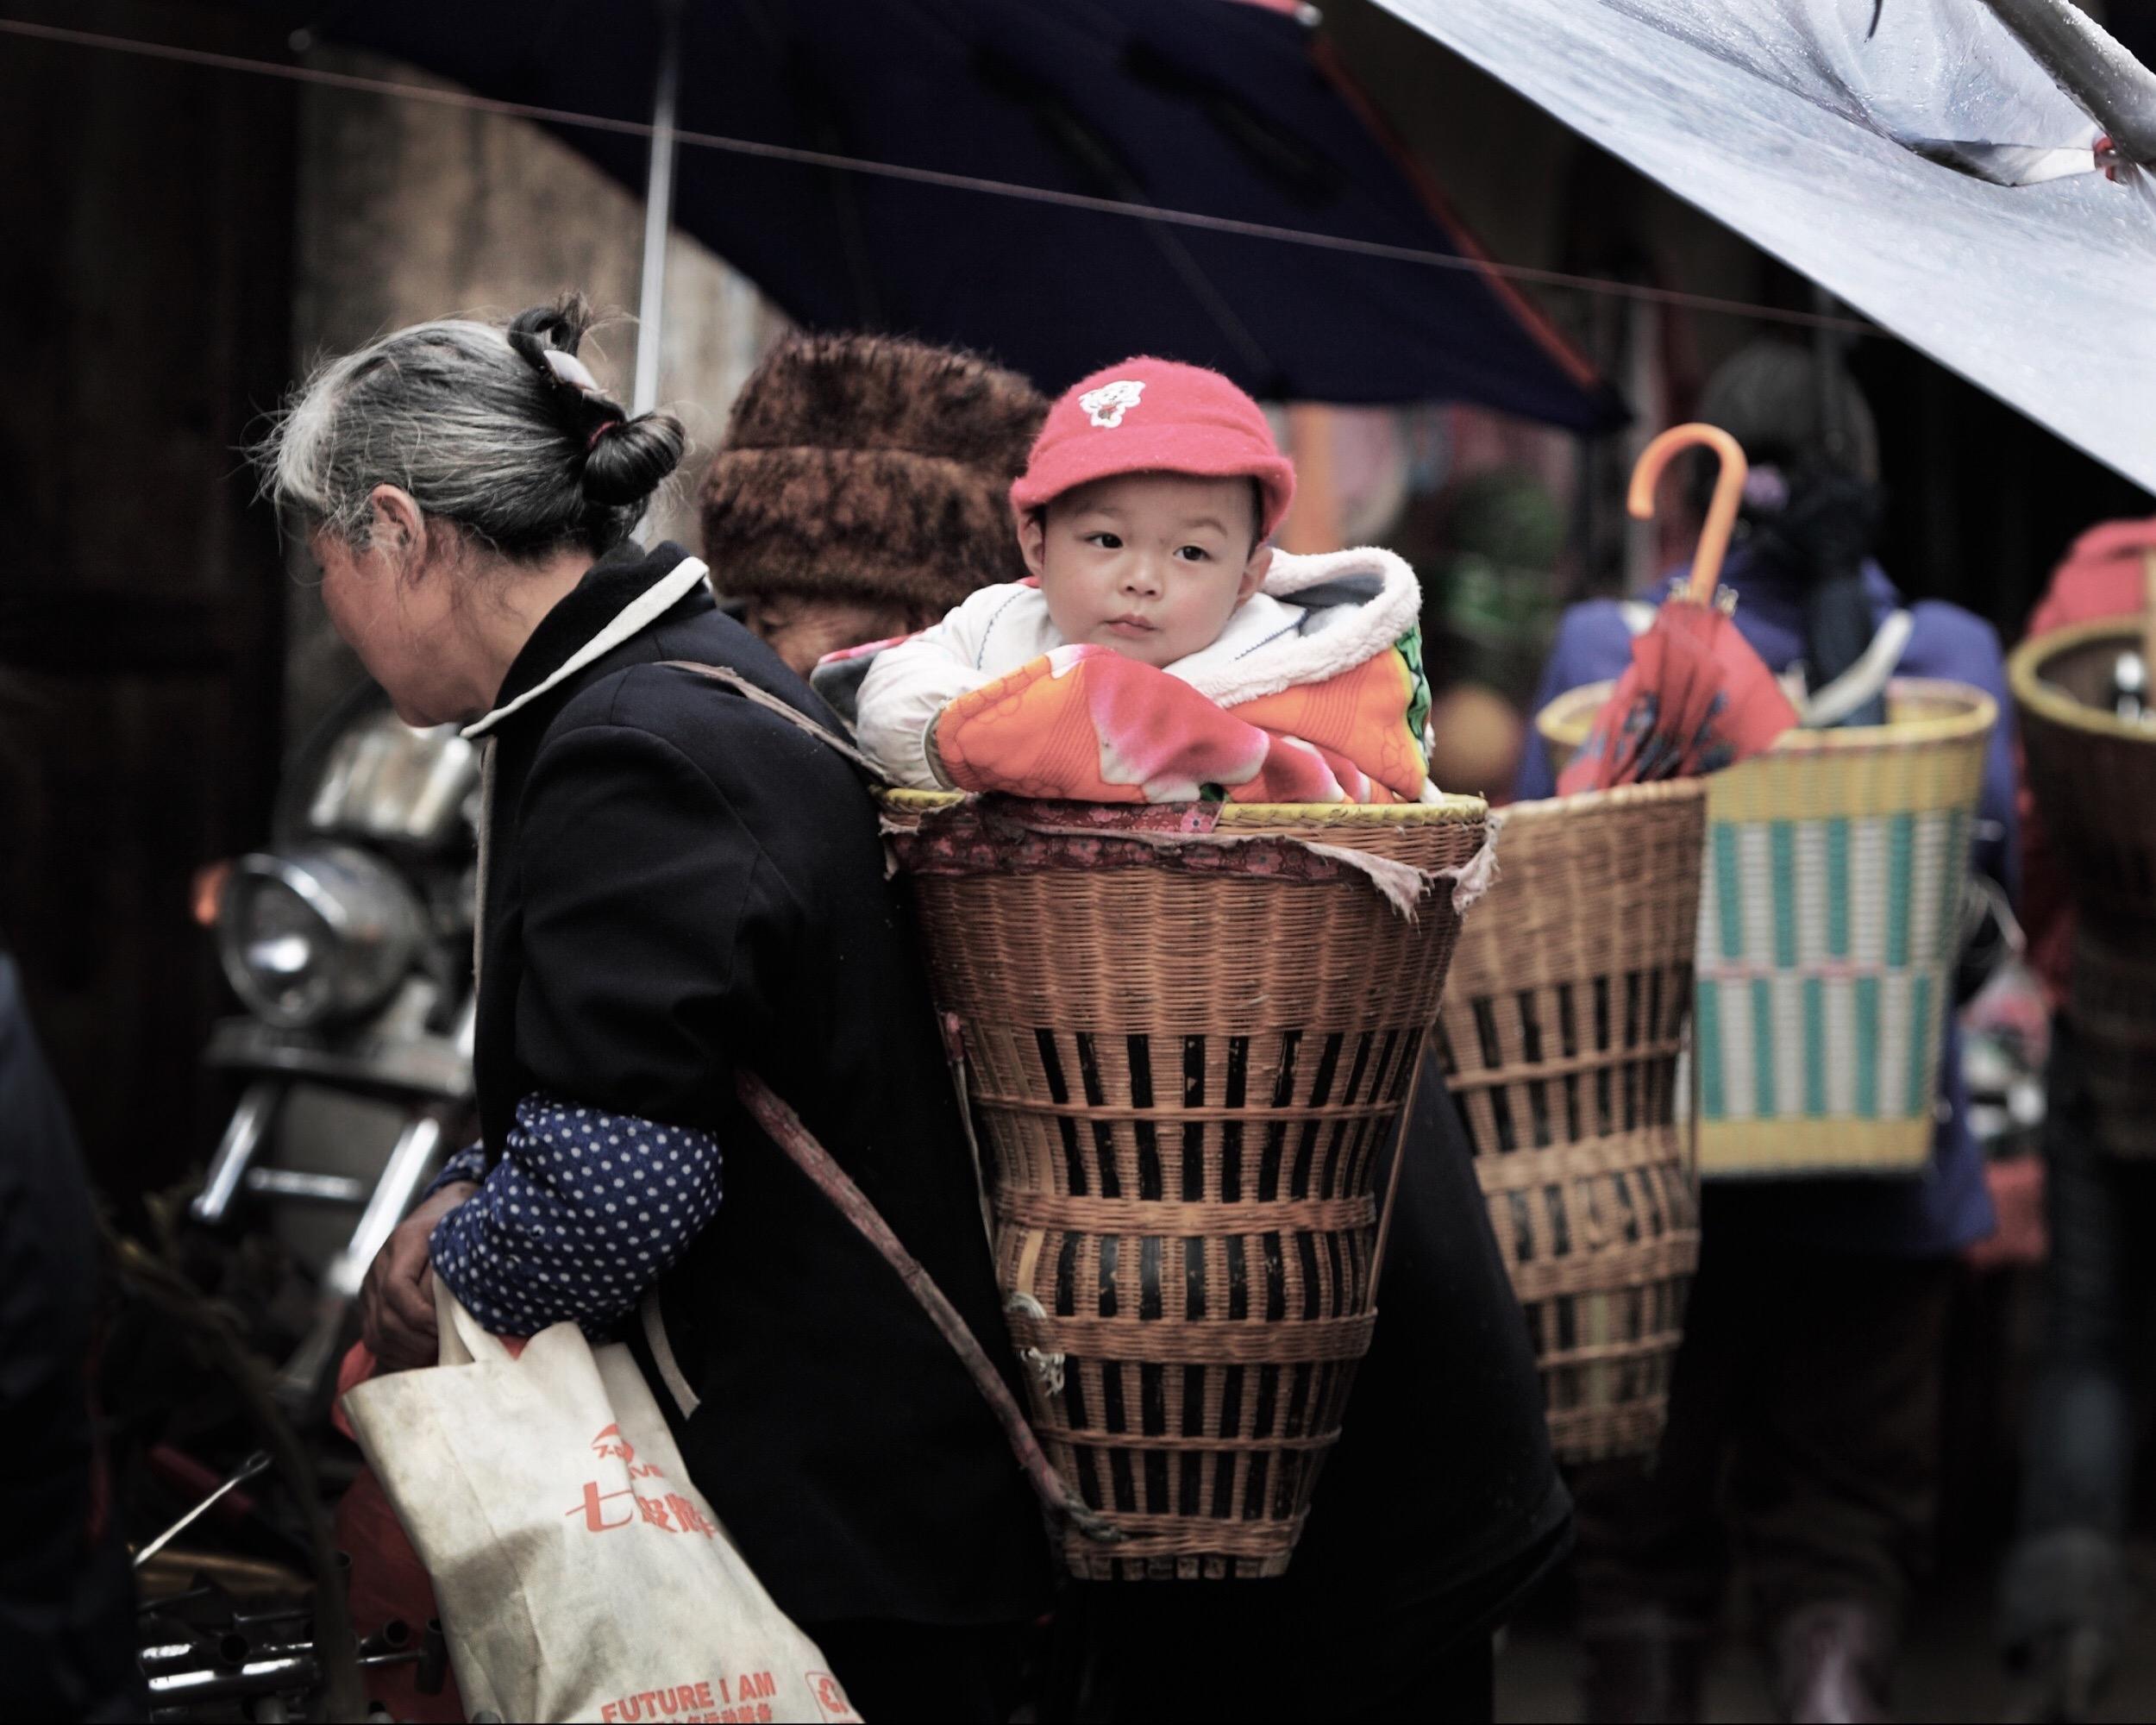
<point x="653" y="603"/>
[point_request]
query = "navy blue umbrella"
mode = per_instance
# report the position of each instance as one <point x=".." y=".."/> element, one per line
<point x="1224" y="109"/>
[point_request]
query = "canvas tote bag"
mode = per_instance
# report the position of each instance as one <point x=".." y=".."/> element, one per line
<point x="581" y="1575"/>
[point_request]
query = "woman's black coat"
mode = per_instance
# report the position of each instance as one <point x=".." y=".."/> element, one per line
<point x="678" y="882"/>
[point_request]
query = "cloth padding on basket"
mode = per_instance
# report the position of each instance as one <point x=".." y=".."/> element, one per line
<point x="1086" y="724"/>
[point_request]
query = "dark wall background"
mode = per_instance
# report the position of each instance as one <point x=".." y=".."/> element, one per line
<point x="146" y="289"/>
<point x="1981" y="502"/>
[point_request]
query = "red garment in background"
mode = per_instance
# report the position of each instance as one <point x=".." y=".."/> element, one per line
<point x="2103" y="576"/>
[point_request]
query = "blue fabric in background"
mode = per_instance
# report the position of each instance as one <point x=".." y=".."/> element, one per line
<point x="1230" y="111"/>
<point x="1947" y="1207"/>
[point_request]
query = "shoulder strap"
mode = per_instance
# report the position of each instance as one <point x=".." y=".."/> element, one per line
<point x="1863" y="679"/>
<point x="786" y="1131"/>
<point x="792" y="715"/>
<point x="784" y="1128"/>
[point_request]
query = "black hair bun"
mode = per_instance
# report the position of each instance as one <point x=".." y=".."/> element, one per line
<point x="624" y="460"/>
<point x="629" y="458"/>
<point x="541" y="331"/>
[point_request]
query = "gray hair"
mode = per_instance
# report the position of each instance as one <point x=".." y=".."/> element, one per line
<point x="500" y="430"/>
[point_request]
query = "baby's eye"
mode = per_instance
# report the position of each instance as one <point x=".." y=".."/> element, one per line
<point x="1194" y="554"/>
<point x="1106" y="542"/>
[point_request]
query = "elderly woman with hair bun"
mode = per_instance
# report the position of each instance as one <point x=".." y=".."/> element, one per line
<point x="678" y="880"/>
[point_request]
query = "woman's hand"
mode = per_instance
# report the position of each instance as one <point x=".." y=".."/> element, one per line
<point x="397" y="1300"/>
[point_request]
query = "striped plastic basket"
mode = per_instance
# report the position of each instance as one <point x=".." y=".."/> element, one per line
<point x="1830" y="915"/>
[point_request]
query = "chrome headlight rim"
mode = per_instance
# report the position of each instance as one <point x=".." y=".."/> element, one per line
<point x="370" y="940"/>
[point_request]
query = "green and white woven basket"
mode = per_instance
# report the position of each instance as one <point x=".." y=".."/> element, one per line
<point x="1830" y="914"/>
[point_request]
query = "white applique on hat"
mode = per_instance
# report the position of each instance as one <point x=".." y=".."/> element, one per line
<point x="1107" y="404"/>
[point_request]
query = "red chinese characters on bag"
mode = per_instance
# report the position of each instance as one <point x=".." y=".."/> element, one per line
<point x="668" y="1511"/>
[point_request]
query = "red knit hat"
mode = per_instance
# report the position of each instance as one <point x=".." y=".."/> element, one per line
<point x="1154" y="416"/>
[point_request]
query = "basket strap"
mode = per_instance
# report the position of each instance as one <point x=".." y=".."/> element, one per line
<point x="954" y="1029"/>
<point x="1424" y="1055"/>
<point x="792" y="715"/>
<point x="785" y="1130"/>
<point x="1835" y="701"/>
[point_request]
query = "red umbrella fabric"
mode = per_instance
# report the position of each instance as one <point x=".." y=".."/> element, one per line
<point x="1696" y="697"/>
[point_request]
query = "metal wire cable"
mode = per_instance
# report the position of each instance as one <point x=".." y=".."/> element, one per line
<point x="324" y="78"/>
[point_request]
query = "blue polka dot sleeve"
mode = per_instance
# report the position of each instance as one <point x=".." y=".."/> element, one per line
<point x="468" y="1164"/>
<point x="585" y="1211"/>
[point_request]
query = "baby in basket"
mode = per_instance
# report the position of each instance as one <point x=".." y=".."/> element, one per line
<point x="1162" y="650"/>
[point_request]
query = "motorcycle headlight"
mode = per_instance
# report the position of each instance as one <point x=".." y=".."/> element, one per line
<point x="315" y="934"/>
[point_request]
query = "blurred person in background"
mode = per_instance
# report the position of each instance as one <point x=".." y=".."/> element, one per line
<point x="862" y="491"/>
<point x="2067" y="1593"/>
<point x="1805" y="1408"/>
<point x="67" y="1593"/>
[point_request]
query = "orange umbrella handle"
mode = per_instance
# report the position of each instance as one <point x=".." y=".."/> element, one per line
<point x="1721" y="512"/>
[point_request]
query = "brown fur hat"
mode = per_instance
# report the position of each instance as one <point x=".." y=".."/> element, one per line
<point x="870" y="466"/>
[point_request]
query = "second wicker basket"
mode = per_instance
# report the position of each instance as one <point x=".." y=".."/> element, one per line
<point x="1564" y="1022"/>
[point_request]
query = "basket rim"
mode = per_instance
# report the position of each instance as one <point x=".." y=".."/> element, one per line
<point x="2024" y="675"/>
<point x="1450" y="810"/>
<point x="1613" y="797"/>
<point x="1982" y="713"/>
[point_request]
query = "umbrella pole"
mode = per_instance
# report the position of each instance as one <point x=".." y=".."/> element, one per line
<point x="658" y="209"/>
<point x="2085" y="62"/>
<point x="1827" y="352"/>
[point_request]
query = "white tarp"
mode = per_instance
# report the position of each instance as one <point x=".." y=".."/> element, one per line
<point x="1864" y="142"/>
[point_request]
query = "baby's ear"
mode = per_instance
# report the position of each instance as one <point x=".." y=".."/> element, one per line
<point x="1254" y="573"/>
<point x="1033" y="540"/>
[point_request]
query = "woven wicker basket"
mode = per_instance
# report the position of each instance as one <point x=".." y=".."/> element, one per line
<point x="1185" y="1057"/>
<point x="1563" y="1021"/>
<point x="1829" y="926"/>
<point x="2094" y="776"/>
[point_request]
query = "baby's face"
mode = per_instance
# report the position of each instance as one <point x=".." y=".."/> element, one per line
<point x="1152" y="565"/>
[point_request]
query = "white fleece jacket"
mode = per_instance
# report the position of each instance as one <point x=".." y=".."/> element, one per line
<point x="1315" y="617"/>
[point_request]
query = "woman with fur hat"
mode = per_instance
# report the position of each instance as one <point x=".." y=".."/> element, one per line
<point x="860" y="491"/>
